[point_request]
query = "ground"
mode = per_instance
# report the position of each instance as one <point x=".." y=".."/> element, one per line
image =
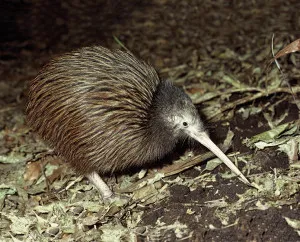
<point x="220" y="53"/>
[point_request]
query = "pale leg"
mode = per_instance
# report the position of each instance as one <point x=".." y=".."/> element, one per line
<point x="100" y="184"/>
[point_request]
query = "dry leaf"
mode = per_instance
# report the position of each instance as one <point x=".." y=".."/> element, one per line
<point x="292" y="47"/>
<point x="33" y="171"/>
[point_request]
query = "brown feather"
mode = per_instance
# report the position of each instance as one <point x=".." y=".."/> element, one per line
<point x="94" y="108"/>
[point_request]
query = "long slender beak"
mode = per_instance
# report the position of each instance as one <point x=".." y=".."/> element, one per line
<point x="203" y="138"/>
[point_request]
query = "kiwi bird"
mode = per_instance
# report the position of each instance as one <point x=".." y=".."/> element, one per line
<point x="104" y="111"/>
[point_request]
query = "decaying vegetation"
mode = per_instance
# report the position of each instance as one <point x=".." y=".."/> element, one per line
<point x="221" y="54"/>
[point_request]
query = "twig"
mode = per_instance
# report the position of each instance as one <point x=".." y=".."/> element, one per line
<point x="294" y="46"/>
<point x="239" y="90"/>
<point x="119" y="42"/>
<point x="3" y="110"/>
<point x="173" y="169"/>
<point x="263" y="93"/>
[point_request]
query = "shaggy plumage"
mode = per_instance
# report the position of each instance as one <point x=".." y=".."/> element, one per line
<point x="104" y="111"/>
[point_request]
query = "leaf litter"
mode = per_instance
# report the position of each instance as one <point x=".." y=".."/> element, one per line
<point x="41" y="201"/>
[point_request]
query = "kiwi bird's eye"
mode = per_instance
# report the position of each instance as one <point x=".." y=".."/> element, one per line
<point x="185" y="124"/>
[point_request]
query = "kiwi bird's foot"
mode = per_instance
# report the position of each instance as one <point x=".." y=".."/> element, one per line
<point x="104" y="190"/>
<point x="106" y="193"/>
<point x="117" y="199"/>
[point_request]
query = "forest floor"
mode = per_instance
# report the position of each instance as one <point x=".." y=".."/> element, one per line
<point x="220" y="53"/>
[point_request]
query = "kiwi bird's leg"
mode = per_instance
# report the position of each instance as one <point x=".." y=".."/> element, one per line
<point x="101" y="185"/>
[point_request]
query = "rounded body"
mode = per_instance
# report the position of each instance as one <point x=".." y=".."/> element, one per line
<point x="93" y="106"/>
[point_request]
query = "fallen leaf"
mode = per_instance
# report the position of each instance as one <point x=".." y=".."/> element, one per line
<point x="33" y="171"/>
<point x="292" y="47"/>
